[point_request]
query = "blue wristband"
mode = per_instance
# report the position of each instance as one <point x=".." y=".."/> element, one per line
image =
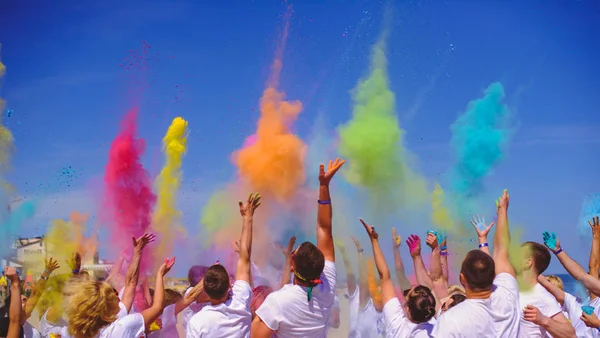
<point x="442" y="248"/>
<point x="482" y="245"/>
<point x="558" y="251"/>
<point x="324" y="201"/>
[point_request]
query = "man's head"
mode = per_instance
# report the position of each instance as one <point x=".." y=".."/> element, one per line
<point x="478" y="271"/>
<point x="556" y="281"/>
<point x="216" y="283"/>
<point x="308" y="262"/>
<point x="536" y="258"/>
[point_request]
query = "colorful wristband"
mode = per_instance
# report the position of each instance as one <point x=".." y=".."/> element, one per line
<point x="442" y="248"/>
<point x="558" y="251"/>
<point x="482" y="245"/>
<point x="444" y="253"/>
<point x="324" y="201"/>
<point x="75" y="272"/>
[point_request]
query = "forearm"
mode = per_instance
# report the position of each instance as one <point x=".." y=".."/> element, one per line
<point x="36" y="293"/>
<point x="435" y="268"/>
<point x="445" y="266"/>
<point x="400" y="272"/>
<point x="380" y="263"/>
<point x="153" y="312"/>
<point x="190" y="297"/>
<point x="595" y="256"/>
<point x="285" y="276"/>
<point x="246" y="238"/>
<point x="324" y="234"/>
<point x="502" y="235"/>
<point x="486" y="248"/>
<point x="363" y="280"/>
<point x="420" y="272"/>
<point x="556" y="292"/>
<point x="350" y="276"/>
<point x="14" y="311"/>
<point x="133" y="271"/>
<point x="559" y="329"/>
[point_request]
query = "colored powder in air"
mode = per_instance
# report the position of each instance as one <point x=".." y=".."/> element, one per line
<point x="374" y="287"/>
<point x="249" y="141"/>
<point x="167" y="218"/>
<point x="128" y="198"/>
<point x="9" y="229"/>
<point x="67" y="237"/>
<point x="273" y="164"/>
<point x="479" y="137"/>
<point x="6" y="143"/>
<point x="589" y="209"/>
<point x="372" y="142"/>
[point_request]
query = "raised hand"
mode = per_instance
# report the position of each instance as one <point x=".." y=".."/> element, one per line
<point x="247" y="209"/>
<point x="551" y="241"/>
<point x="287" y="252"/>
<point x="397" y="239"/>
<point x="414" y="245"/>
<point x="502" y="202"/>
<point x="370" y="231"/>
<point x="11" y="273"/>
<point x="166" y="266"/>
<point x="595" y="225"/>
<point x="141" y="242"/>
<point x="51" y="265"/>
<point x="432" y="239"/>
<point x="478" y="222"/>
<point x="357" y="244"/>
<point x="326" y="176"/>
<point x="75" y="262"/>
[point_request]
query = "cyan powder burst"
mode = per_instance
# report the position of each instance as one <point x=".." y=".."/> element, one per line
<point x="479" y="137"/>
<point x="10" y="227"/>
<point x="589" y="209"/>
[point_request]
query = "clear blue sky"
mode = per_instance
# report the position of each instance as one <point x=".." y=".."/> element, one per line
<point x="68" y="92"/>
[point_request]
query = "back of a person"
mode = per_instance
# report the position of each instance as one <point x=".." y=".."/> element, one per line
<point x="473" y="318"/>
<point x="505" y="305"/>
<point x="303" y="318"/>
<point x="367" y="322"/>
<point x="539" y="297"/>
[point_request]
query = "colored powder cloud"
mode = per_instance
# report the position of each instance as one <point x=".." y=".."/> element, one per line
<point x="479" y="137"/>
<point x="441" y="217"/>
<point x="372" y="142"/>
<point x="9" y="228"/>
<point x="589" y="209"/>
<point x="128" y="196"/>
<point x="167" y="218"/>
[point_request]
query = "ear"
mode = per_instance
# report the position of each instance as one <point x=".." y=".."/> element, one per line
<point x="462" y="280"/>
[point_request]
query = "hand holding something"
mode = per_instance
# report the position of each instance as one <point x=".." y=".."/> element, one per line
<point x="551" y="241"/>
<point x="140" y="243"/>
<point x="478" y="222"/>
<point x="533" y="314"/>
<point x="287" y="252"/>
<point x="432" y="240"/>
<point x="590" y="320"/>
<point x="414" y="245"/>
<point x="357" y="244"/>
<point x="51" y="265"/>
<point x="166" y="266"/>
<point x="397" y="239"/>
<point x="247" y="209"/>
<point x="370" y="230"/>
<point x="502" y="202"/>
<point x="326" y="176"/>
<point x="11" y="273"/>
<point x="595" y="225"/>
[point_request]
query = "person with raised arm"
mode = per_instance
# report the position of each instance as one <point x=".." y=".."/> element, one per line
<point x="303" y="309"/>
<point x="353" y="292"/>
<point x="492" y="305"/>
<point x="436" y="274"/>
<point x="36" y="293"/>
<point x="195" y="276"/>
<point x="229" y="316"/>
<point x="423" y="278"/>
<point x="482" y="229"/>
<point x="15" y="308"/>
<point x="403" y="282"/>
<point x="287" y="267"/>
<point x="412" y="319"/>
<point x="128" y="293"/>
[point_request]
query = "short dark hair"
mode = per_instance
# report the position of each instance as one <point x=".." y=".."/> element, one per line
<point x="196" y="273"/>
<point x="421" y="304"/>
<point x="216" y="282"/>
<point x="456" y="299"/>
<point x="309" y="261"/>
<point x="540" y="255"/>
<point x="479" y="270"/>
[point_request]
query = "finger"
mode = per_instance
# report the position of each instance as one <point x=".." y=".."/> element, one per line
<point x="330" y="166"/>
<point x="491" y="225"/>
<point x="321" y="170"/>
<point x="364" y="224"/>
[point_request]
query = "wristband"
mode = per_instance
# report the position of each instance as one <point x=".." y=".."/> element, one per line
<point x="44" y="277"/>
<point x="444" y="253"/>
<point x="324" y="201"/>
<point x="442" y="248"/>
<point x="558" y="251"/>
<point x="46" y="271"/>
<point x="361" y="250"/>
<point x="75" y="272"/>
<point x="483" y="245"/>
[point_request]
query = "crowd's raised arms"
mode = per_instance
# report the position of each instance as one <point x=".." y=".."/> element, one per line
<point x="495" y="298"/>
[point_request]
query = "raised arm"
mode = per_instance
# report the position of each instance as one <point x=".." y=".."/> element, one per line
<point x="324" y="211"/>
<point x="242" y="272"/>
<point x="444" y="254"/>
<point x="482" y="229"/>
<point x="287" y="252"/>
<point x="190" y="297"/>
<point x="115" y="271"/>
<point x="38" y="289"/>
<point x="502" y="237"/>
<point x="400" y="273"/>
<point x="14" y="310"/>
<point x="574" y="269"/>
<point x="133" y="272"/>
<point x="414" y="245"/>
<point x="435" y="269"/>
<point x="153" y="312"/>
<point x="595" y="252"/>
<point x="350" y="277"/>
<point x="363" y="277"/>
<point x="387" y="286"/>
<point x="555" y="291"/>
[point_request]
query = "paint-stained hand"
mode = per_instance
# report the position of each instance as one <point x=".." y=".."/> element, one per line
<point x="326" y="176"/>
<point x="140" y="243"/>
<point x="370" y="230"/>
<point x="432" y="240"/>
<point x="551" y="241"/>
<point x="11" y="273"/>
<point x="595" y="225"/>
<point x="478" y="222"/>
<point x="247" y="209"/>
<point x="51" y="265"/>
<point x="357" y="244"/>
<point x="166" y="266"/>
<point x="414" y="245"/>
<point x="397" y="239"/>
<point x="590" y="320"/>
<point x="502" y="202"/>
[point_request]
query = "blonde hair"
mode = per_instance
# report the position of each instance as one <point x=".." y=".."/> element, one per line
<point x="90" y="306"/>
<point x="556" y="281"/>
<point x="172" y="297"/>
<point x="454" y="288"/>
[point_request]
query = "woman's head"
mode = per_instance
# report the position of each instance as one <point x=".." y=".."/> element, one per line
<point x="452" y="301"/>
<point x="90" y="306"/>
<point x="196" y="273"/>
<point x="556" y="281"/>
<point x="420" y="304"/>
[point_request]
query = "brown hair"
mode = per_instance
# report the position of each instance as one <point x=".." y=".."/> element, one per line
<point x="216" y="282"/>
<point x="478" y="269"/>
<point x="540" y="256"/>
<point x="421" y="304"/>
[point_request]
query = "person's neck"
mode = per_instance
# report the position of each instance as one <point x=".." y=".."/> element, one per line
<point x="215" y="302"/>
<point x="298" y="282"/>
<point x="485" y="294"/>
<point x="528" y="279"/>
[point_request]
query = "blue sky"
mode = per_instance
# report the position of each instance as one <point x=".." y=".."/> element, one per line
<point x="68" y="91"/>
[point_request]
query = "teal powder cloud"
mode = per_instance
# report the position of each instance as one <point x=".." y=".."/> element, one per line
<point x="479" y="137"/>
<point x="10" y="227"/>
<point x="590" y="208"/>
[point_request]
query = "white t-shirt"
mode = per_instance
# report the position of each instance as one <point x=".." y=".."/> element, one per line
<point x="539" y="297"/>
<point x="368" y="320"/>
<point x="30" y="332"/>
<point x="128" y="326"/>
<point x="288" y="311"/>
<point x="229" y="319"/>
<point x="169" y="324"/>
<point x="497" y="316"/>
<point x="353" y="305"/>
<point x="573" y="307"/>
<point x="397" y="325"/>
<point x="190" y="311"/>
<point x="60" y="327"/>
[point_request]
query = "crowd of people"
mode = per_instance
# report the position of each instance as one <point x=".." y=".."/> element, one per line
<point x="496" y="298"/>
